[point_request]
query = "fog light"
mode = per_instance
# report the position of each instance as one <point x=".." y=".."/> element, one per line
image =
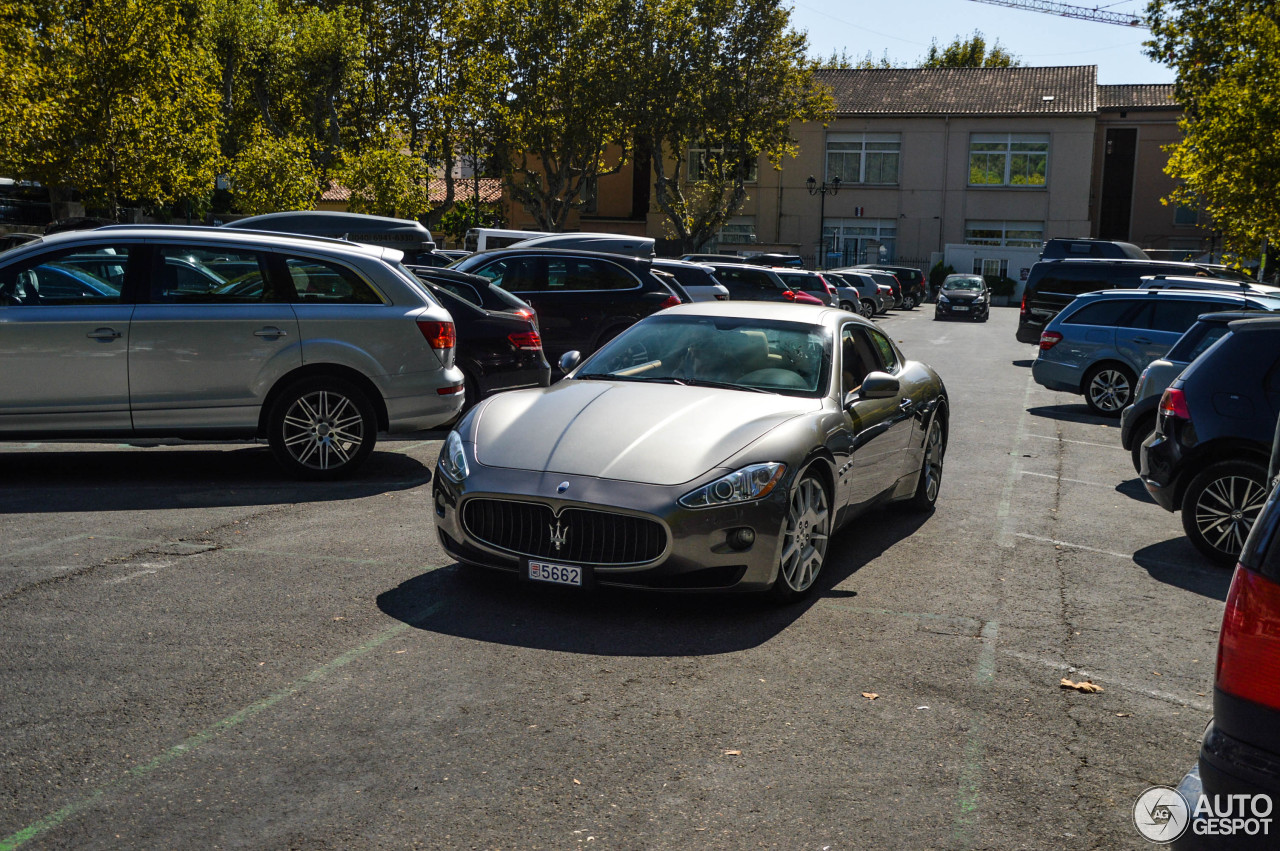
<point x="741" y="539"/>
<point x="439" y="504"/>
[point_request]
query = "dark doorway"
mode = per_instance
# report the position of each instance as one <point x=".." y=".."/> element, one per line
<point x="1117" y="183"/>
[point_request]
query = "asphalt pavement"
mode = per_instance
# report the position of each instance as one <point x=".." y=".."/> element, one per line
<point x="198" y="653"/>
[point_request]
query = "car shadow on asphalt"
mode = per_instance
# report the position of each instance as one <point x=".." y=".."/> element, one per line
<point x="499" y="608"/>
<point x="1073" y="414"/>
<point x="1175" y="562"/>
<point x="1135" y="490"/>
<point x="182" y="476"/>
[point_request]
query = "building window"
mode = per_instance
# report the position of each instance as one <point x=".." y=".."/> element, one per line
<point x="991" y="268"/>
<point x="851" y="241"/>
<point x="1186" y="216"/>
<point x="863" y="157"/>
<point x="1008" y="159"/>
<point x="740" y="230"/>
<point x="1005" y="234"/>
<point x="701" y="160"/>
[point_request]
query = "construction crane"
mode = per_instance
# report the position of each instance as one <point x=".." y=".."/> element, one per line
<point x="1067" y="11"/>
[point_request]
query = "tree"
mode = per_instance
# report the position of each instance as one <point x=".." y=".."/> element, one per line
<point x="718" y="85"/>
<point x="113" y="97"/>
<point x="1227" y="59"/>
<point x="386" y="178"/>
<point x="464" y="215"/>
<point x="565" y="123"/>
<point x="969" y="53"/>
<point x="272" y="174"/>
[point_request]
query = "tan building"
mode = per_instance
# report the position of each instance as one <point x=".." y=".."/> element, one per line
<point x="977" y="165"/>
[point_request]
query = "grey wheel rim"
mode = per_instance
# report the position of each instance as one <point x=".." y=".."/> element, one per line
<point x="868" y="310"/>
<point x="932" y="465"/>
<point x="1109" y="390"/>
<point x="804" y="544"/>
<point x="1226" y="510"/>
<point x="323" y="430"/>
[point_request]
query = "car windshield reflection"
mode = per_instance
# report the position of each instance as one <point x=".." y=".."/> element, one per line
<point x="733" y="353"/>
<point x="967" y="284"/>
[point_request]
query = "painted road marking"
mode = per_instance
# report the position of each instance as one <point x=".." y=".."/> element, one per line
<point x="1115" y="445"/>
<point x="1202" y="706"/>
<point x="47" y="545"/>
<point x="1071" y="481"/>
<point x="198" y="740"/>
<point x="984" y="674"/>
<point x="1004" y="529"/>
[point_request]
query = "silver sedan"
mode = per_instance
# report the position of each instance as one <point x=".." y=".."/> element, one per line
<point x="711" y="446"/>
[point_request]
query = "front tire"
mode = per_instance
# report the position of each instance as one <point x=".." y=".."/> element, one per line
<point x="1220" y="507"/>
<point x="930" y="481"/>
<point x="322" y="428"/>
<point x="1108" y="388"/>
<point x="804" y="540"/>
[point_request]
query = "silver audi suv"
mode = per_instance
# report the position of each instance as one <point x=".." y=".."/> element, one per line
<point x="314" y="344"/>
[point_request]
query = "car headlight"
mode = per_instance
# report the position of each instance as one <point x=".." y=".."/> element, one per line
<point x="943" y="299"/>
<point x="979" y="300"/>
<point x="453" y="458"/>
<point x="744" y="485"/>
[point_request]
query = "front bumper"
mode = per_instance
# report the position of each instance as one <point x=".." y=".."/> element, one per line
<point x="967" y="310"/>
<point x="697" y="555"/>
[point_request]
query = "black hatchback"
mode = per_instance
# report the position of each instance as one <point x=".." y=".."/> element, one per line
<point x="1214" y="427"/>
<point x="583" y="298"/>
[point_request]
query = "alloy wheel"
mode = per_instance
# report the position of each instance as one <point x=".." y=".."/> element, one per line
<point x="323" y="430"/>
<point x="1226" y="510"/>
<point x="804" y="544"/>
<point x="932" y="464"/>
<point x="1109" y="390"/>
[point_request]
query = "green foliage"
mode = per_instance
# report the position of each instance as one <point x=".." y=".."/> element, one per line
<point x="969" y="53"/>
<point x="271" y="174"/>
<point x="386" y="178"/>
<point x="1227" y="57"/>
<point x="843" y="61"/>
<point x="1001" y="285"/>
<point x="462" y="216"/>
<point x="939" y="273"/>
<point x="113" y="97"/>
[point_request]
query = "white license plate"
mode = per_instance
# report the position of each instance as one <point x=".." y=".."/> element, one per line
<point x="560" y="574"/>
<point x="959" y="309"/>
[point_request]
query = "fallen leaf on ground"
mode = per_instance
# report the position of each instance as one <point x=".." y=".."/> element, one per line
<point x="733" y="753"/>
<point x="870" y="695"/>
<point x="1124" y="714"/>
<point x="1083" y="686"/>
<point x="577" y="782"/>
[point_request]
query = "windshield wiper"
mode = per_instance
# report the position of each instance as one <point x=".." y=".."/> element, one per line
<point x="609" y="376"/>
<point x="725" y="385"/>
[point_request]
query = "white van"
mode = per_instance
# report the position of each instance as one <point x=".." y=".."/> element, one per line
<point x="487" y="239"/>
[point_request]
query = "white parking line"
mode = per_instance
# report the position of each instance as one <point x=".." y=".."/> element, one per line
<point x="1115" y="445"/>
<point x="1057" y="543"/>
<point x="1062" y="667"/>
<point x="120" y="579"/>
<point x="1011" y="477"/>
<point x="1072" y="481"/>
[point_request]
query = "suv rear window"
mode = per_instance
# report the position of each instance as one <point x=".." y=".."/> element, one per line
<point x="1167" y="314"/>
<point x="1196" y="341"/>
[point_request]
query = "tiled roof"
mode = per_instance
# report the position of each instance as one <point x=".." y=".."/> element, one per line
<point x="490" y="190"/>
<point x="1148" y="96"/>
<point x="1070" y="90"/>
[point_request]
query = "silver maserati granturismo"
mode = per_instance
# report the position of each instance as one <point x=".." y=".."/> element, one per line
<point x="710" y="446"/>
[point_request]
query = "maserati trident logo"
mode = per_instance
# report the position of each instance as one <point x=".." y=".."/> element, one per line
<point x="558" y="535"/>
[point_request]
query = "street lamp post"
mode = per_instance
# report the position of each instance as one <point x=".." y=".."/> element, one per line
<point x="822" y="190"/>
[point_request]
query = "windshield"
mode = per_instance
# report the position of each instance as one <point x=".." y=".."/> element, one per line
<point x="963" y="284"/>
<point x="791" y="358"/>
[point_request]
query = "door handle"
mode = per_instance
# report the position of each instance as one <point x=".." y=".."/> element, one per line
<point x="104" y="334"/>
<point x="906" y="404"/>
<point x="270" y="331"/>
<point x="1141" y="340"/>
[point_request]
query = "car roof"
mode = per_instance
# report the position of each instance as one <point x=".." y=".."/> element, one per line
<point x="212" y="235"/>
<point x="1255" y="324"/>
<point x="516" y="251"/>
<point x="1183" y="295"/>
<point x="808" y="313"/>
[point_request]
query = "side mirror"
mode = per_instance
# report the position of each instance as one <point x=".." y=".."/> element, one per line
<point x="876" y="385"/>
<point x="569" y="360"/>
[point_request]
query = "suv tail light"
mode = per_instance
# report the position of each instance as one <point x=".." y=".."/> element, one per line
<point x="830" y="289"/>
<point x="528" y="341"/>
<point x="439" y="335"/>
<point x="527" y="314"/>
<point x="1249" y="644"/>
<point x="1049" y="339"/>
<point x="1174" y="404"/>
<point x="671" y="301"/>
<point x="1022" y="314"/>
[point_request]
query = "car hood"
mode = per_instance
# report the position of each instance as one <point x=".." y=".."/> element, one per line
<point x="659" y="434"/>
<point x="961" y="295"/>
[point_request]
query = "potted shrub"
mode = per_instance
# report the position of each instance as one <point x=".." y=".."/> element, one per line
<point x="1002" y="286"/>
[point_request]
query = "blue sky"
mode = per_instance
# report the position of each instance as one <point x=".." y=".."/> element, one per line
<point x="905" y="29"/>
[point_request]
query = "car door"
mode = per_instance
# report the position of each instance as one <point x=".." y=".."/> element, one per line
<point x="201" y="344"/>
<point x="1152" y="331"/>
<point x="528" y="278"/>
<point x="875" y="438"/>
<point x="64" y="343"/>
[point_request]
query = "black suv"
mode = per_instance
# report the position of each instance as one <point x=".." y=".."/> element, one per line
<point x="583" y="298"/>
<point x="1079" y="249"/>
<point x="914" y="289"/>
<point x="1214" y="427"/>
<point x="1052" y="285"/>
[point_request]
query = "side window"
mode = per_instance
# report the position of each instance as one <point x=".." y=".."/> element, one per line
<point x="589" y="274"/>
<point x="1176" y="315"/>
<point x="888" y="354"/>
<point x="462" y="291"/>
<point x="515" y="275"/>
<point x="327" y="283"/>
<point x="857" y="358"/>
<point x="81" y="275"/>
<point x="196" y="274"/>
<point x="1107" y="313"/>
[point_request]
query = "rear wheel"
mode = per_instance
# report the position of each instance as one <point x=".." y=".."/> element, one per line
<point x="868" y="308"/>
<point x="1108" y="388"/>
<point x="804" y="540"/>
<point x="322" y="428"/>
<point x="1220" y="507"/>
<point x="930" y="483"/>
